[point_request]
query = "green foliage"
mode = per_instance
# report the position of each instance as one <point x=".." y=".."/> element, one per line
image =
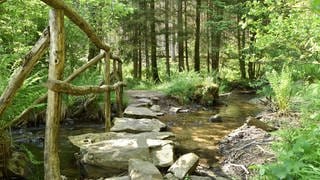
<point x="298" y="155"/>
<point x="281" y="84"/>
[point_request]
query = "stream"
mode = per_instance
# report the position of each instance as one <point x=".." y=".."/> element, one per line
<point x="193" y="131"/>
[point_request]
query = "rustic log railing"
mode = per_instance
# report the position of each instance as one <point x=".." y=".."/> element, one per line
<point x="56" y="86"/>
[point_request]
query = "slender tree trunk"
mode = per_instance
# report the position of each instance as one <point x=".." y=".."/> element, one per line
<point x="241" y="44"/>
<point x="173" y="32"/>
<point x="216" y="40"/>
<point x="186" y="35"/>
<point x="135" y="52"/>
<point x="251" y="65"/>
<point x="208" y="36"/>
<point x="154" y="68"/>
<point x="56" y="64"/>
<point x="140" y="58"/>
<point x="180" y="37"/>
<point x="167" y="37"/>
<point x="146" y="38"/>
<point x="197" y="39"/>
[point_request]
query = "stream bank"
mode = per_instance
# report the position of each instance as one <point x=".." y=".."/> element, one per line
<point x="193" y="131"/>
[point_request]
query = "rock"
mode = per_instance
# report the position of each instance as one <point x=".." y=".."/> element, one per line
<point x="186" y="164"/>
<point x="199" y="178"/>
<point x="139" y="112"/>
<point x="145" y="100"/>
<point x="162" y="152"/>
<point x="156" y="108"/>
<point x="117" y="178"/>
<point x="184" y="110"/>
<point x="170" y="176"/>
<point x="83" y="140"/>
<point x="251" y="121"/>
<point x="139" y="105"/>
<point x="137" y="125"/>
<point x="206" y="93"/>
<point x="174" y="109"/>
<point x="145" y="170"/>
<point x="215" y="118"/>
<point x="113" y="155"/>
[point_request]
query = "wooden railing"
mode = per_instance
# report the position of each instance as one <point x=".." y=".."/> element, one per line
<point x="53" y="37"/>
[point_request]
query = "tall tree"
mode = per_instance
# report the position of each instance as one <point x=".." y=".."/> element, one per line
<point x="180" y="36"/>
<point x="167" y="37"/>
<point x="154" y="67"/>
<point x="197" y="38"/>
<point x="186" y="35"/>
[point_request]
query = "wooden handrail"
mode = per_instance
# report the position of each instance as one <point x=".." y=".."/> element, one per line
<point x="80" y="22"/>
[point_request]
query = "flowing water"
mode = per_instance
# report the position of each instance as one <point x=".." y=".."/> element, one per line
<point x="193" y="130"/>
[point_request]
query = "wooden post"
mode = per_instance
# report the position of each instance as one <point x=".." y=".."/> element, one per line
<point x="56" y="64"/>
<point x="107" y="100"/>
<point x="120" y="89"/>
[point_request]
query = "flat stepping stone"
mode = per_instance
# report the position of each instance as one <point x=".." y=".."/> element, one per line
<point x="131" y="125"/>
<point x="139" y="112"/>
<point x="139" y="169"/>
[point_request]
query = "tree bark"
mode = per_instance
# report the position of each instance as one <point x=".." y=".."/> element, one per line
<point x="56" y="64"/>
<point x="186" y="35"/>
<point x="197" y="39"/>
<point x="167" y="37"/>
<point x="107" y="96"/>
<point x="180" y="37"/>
<point x="79" y="21"/>
<point x="241" y="44"/>
<point x="29" y="61"/>
<point x="216" y="40"/>
<point x="67" y="88"/>
<point x="154" y="66"/>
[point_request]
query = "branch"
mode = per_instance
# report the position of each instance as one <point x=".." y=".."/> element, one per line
<point x="29" y="61"/>
<point x="62" y="87"/>
<point x="79" y="21"/>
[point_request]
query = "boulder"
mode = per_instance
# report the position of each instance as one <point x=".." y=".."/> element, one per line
<point x="162" y="152"/>
<point x="206" y="93"/>
<point x="199" y="178"/>
<point x="84" y="139"/>
<point x="139" y="169"/>
<point x="103" y="157"/>
<point x="145" y="100"/>
<point x="215" y="118"/>
<point x="116" y="178"/>
<point x="174" y="109"/>
<point x="170" y="176"/>
<point x="251" y="121"/>
<point x="137" y="125"/>
<point x="156" y="108"/>
<point x="139" y="112"/>
<point x="186" y="164"/>
<point x="113" y="155"/>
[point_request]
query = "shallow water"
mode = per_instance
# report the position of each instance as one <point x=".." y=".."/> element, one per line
<point x="193" y="130"/>
<point x="196" y="134"/>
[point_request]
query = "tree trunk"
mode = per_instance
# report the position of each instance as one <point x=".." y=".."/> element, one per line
<point x="154" y="68"/>
<point x="216" y="40"/>
<point x="56" y="64"/>
<point x="197" y="39"/>
<point x="186" y="35"/>
<point x="241" y="44"/>
<point x="251" y="65"/>
<point x="180" y="37"/>
<point x="167" y="37"/>
<point x="107" y="96"/>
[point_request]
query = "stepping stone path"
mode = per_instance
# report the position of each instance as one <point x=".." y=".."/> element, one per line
<point x="135" y="145"/>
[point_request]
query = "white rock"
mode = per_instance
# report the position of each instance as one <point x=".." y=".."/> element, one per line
<point x="137" y="125"/>
<point x="143" y="170"/>
<point x="184" y="165"/>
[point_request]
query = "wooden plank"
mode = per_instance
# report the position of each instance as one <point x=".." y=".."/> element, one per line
<point x="80" y="22"/>
<point x="56" y="65"/>
<point x="67" y="88"/>
<point x="29" y="61"/>
<point x="107" y="97"/>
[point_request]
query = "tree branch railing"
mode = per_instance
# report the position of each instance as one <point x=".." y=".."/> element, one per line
<point x="56" y="86"/>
